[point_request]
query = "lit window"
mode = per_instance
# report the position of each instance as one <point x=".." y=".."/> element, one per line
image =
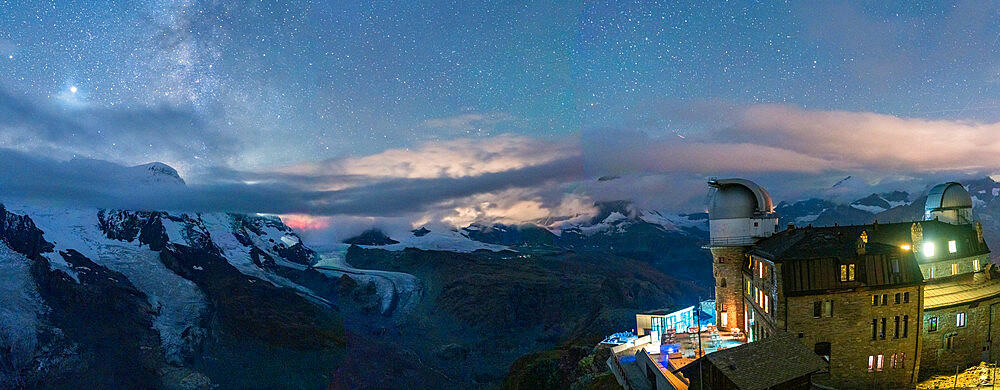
<point x="828" y="308"/>
<point x="878" y="367"/>
<point x="975" y="264"/>
<point x="871" y="363"/>
<point x="960" y="320"/>
<point x="954" y="269"/>
<point x="930" y="271"/>
<point x="850" y="272"/>
<point x="928" y="249"/>
<point x="904" y="247"/>
<point x="952" y="246"/>
<point x="932" y="324"/>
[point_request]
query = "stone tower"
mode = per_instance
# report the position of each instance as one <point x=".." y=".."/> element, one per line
<point x="740" y="213"/>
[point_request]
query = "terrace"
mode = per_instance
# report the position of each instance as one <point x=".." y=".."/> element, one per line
<point x="676" y="350"/>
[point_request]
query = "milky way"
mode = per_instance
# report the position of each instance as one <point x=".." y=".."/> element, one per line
<point x="265" y="86"/>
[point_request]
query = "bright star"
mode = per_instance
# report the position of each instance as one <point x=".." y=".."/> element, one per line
<point x="72" y="89"/>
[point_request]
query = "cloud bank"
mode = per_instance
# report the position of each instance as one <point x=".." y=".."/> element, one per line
<point x="504" y="178"/>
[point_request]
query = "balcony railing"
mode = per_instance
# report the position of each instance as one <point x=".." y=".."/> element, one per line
<point x="732" y="241"/>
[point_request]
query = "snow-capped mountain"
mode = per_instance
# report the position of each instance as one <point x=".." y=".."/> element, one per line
<point x="670" y="242"/>
<point x="187" y="286"/>
<point x="877" y="203"/>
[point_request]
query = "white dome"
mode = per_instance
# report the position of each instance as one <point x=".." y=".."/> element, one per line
<point x="738" y="198"/>
<point x="948" y="196"/>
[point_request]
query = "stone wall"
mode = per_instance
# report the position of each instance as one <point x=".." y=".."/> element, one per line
<point x="849" y="332"/>
<point x="943" y="268"/>
<point x="971" y="343"/>
<point x="727" y="265"/>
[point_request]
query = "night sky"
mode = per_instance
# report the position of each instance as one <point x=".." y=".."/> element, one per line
<point x="328" y="103"/>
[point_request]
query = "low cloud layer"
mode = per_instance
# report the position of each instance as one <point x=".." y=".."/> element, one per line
<point x="506" y="178"/>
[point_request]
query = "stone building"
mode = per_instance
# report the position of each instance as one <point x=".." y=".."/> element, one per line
<point x="882" y="304"/>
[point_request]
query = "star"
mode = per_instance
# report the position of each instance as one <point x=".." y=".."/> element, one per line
<point x="73" y="89"/>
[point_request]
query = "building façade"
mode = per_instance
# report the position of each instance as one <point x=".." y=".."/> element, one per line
<point x="883" y="304"/>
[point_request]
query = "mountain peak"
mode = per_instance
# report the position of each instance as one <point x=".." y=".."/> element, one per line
<point x="157" y="172"/>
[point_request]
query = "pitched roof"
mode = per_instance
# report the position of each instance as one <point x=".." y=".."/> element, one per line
<point x="764" y="363"/>
<point x="961" y="288"/>
<point x="840" y="241"/>
<point x="812" y="256"/>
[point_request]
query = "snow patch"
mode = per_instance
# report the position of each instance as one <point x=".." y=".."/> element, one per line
<point x="446" y="240"/>
<point x="869" y="209"/>
<point x="20" y="308"/>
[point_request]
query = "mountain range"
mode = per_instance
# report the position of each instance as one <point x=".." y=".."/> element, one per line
<point x="110" y="298"/>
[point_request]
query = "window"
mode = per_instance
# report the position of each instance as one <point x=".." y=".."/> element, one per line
<point x="874" y="300"/>
<point x="881" y="334"/>
<point x="895" y="333"/>
<point x="823" y="350"/>
<point x="930" y="271"/>
<point x="874" y="329"/>
<point x="960" y="320"/>
<point x="975" y="265"/>
<point x="871" y="363"/>
<point x="932" y="324"/>
<point x="906" y="297"/>
<point x="817" y="308"/>
<point x="828" y="308"/>
<point x="952" y="246"/>
<point x="766" y="306"/>
<point x="885" y="299"/>
<point x="722" y="283"/>
<point x="878" y="366"/>
<point x="896" y="298"/>
<point x="954" y="269"/>
<point x="892" y="361"/>
<point x="847" y="272"/>
<point x="897" y="360"/>
<point x="949" y="341"/>
<point x="749" y="287"/>
<point x="928" y="249"/>
<point x="906" y="325"/>
<point x="895" y="266"/>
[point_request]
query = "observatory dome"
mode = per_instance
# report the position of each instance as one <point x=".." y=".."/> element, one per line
<point x="948" y="196"/>
<point x="738" y="198"/>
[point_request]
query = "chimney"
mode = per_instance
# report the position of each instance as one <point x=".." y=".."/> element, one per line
<point x="916" y="236"/>
<point x="791" y="226"/>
